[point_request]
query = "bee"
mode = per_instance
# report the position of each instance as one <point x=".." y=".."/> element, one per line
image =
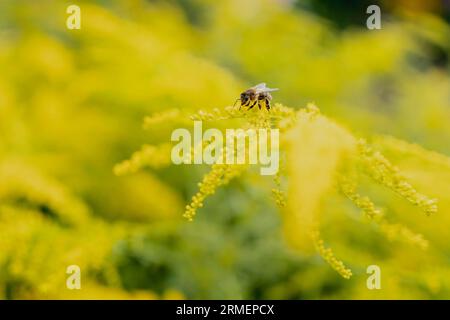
<point x="257" y="95"/>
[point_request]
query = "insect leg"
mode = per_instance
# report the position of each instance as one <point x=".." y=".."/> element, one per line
<point x="253" y="104"/>
<point x="260" y="100"/>
<point x="244" y="103"/>
<point x="236" y="102"/>
<point x="267" y="101"/>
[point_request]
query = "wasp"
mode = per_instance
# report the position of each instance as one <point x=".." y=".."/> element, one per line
<point x="257" y="95"/>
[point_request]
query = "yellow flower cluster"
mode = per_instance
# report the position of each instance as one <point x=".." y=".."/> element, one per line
<point x="21" y="184"/>
<point x="149" y="156"/>
<point x="228" y="112"/>
<point x="348" y="188"/>
<point x="43" y="229"/>
<point x="220" y="175"/>
<point x="316" y="148"/>
<point x="278" y="194"/>
<point x="391" y="231"/>
<point x="412" y="149"/>
<point x="382" y="171"/>
<point x="161" y="117"/>
<point x="398" y="231"/>
<point x="328" y="255"/>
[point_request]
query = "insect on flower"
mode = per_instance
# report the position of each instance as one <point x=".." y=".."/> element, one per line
<point x="257" y="95"/>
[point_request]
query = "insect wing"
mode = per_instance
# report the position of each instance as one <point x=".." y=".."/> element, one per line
<point x="259" y="88"/>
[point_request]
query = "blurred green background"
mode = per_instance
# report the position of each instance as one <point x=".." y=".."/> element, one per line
<point x="72" y="104"/>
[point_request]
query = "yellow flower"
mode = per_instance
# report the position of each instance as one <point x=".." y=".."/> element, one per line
<point x="320" y="154"/>
<point x="149" y="156"/>
<point x="382" y="171"/>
